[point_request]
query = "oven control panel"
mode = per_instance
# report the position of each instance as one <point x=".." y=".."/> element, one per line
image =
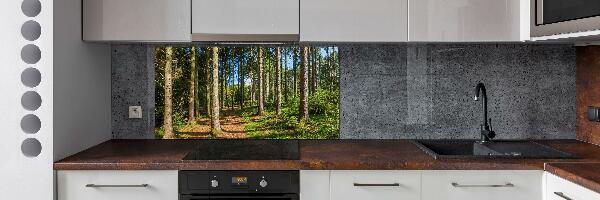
<point x="232" y="182"/>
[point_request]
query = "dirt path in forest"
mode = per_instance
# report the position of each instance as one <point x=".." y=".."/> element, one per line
<point x="231" y="124"/>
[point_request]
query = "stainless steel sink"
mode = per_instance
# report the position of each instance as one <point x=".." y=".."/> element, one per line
<point x="468" y="149"/>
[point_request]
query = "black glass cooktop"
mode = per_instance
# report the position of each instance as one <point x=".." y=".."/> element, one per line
<point x="245" y="150"/>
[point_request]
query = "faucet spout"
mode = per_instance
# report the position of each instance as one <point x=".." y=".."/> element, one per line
<point x="486" y="133"/>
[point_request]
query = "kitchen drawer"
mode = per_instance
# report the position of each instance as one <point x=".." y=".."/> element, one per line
<point x="379" y="185"/>
<point x="482" y="184"/>
<point x="112" y="185"/>
<point x="556" y="186"/>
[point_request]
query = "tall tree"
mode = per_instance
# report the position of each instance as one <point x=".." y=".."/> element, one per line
<point x="168" y="115"/>
<point x="261" y="95"/>
<point x="192" y="93"/>
<point x="215" y="125"/>
<point x="278" y="82"/>
<point x="285" y="74"/>
<point x="252" y="80"/>
<point x="303" y="110"/>
<point x="266" y="78"/>
<point x="208" y="77"/>
<point x="315" y="56"/>
<point x="295" y="73"/>
<point x="241" y="76"/>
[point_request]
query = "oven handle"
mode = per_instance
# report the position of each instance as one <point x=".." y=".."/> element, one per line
<point x="240" y="196"/>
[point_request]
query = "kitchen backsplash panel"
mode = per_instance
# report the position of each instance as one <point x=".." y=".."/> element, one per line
<point x="426" y="90"/>
<point x="395" y="91"/>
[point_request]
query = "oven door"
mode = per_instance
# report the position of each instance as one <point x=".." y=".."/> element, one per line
<point x="241" y="197"/>
<point x="552" y="17"/>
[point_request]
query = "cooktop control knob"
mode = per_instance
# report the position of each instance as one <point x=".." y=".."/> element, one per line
<point x="263" y="183"/>
<point x="214" y="183"/>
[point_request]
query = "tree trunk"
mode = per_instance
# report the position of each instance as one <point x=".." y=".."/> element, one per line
<point x="223" y="85"/>
<point x="314" y="69"/>
<point x="285" y="75"/>
<point x="266" y="80"/>
<point x="208" y="82"/>
<point x="215" y="125"/>
<point x="168" y="115"/>
<point x="303" y="111"/>
<point x="192" y="95"/>
<point x="295" y="72"/>
<point x="241" y="78"/>
<point x="261" y="96"/>
<point x="278" y="82"/>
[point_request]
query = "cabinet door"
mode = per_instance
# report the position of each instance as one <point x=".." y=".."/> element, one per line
<point x="481" y="184"/>
<point x="136" y="20"/>
<point x="245" y="20"/>
<point x="560" y="189"/>
<point x="468" y="20"/>
<point x="117" y="185"/>
<point x="379" y="185"/>
<point x="353" y="20"/>
<point x="314" y="185"/>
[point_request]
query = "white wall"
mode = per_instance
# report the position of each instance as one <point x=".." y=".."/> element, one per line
<point x="24" y="177"/>
<point x="82" y="92"/>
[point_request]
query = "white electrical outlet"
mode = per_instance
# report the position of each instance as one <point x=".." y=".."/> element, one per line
<point x="135" y="112"/>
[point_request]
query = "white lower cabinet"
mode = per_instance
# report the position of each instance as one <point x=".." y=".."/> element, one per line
<point x="117" y="185"/>
<point x="560" y="189"/>
<point x="379" y="185"/>
<point x="422" y="185"/>
<point x="314" y="184"/>
<point x="482" y="184"/>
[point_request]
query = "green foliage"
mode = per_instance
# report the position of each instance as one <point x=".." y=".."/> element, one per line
<point x="323" y="102"/>
<point x="323" y="122"/>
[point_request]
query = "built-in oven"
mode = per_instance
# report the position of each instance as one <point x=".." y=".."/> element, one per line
<point x="238" y="185"/>
<point x="552" y="17"/>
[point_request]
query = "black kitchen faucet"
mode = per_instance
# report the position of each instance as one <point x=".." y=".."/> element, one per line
<point x="487" y="134"/>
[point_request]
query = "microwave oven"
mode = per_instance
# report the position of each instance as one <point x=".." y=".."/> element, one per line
<point x="554" y="17"/>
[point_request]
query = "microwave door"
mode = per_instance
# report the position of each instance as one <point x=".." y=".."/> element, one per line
<point x="556" y="11"/>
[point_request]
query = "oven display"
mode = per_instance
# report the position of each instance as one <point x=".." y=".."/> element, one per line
<point x="239" y="180"/>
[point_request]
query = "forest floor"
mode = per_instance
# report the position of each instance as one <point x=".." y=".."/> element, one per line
<point x="231" y="123"/>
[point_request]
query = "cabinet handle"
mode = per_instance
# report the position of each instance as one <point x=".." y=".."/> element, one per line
<point x="376" y="185"/>
<point x="562" y="195"/>
<point x="115" y="186"/>
<point x="475" y="186"/>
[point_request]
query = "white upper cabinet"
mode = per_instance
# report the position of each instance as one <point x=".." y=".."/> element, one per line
<point x="136" y="20"/>
<point x="468" y="20"/>
<point x="354" y="20"/>
<point x="245" y="20"/>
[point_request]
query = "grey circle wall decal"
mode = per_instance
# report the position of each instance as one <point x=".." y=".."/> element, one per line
<point x="31" y="30"/>
<point x="31" y="124"/>
<point x="31" y="54"/>
<point x="31" y="147"/>
<point x="31" y="100"/>
<point x="31" y="8"/>
<point x="31" y="77"/>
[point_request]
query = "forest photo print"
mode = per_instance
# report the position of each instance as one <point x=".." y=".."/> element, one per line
<point x="254" y="92"/>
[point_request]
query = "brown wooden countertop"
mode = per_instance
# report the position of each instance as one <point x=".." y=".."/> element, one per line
<point x="584" y="174"/>
<point x="314" y="154"/>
